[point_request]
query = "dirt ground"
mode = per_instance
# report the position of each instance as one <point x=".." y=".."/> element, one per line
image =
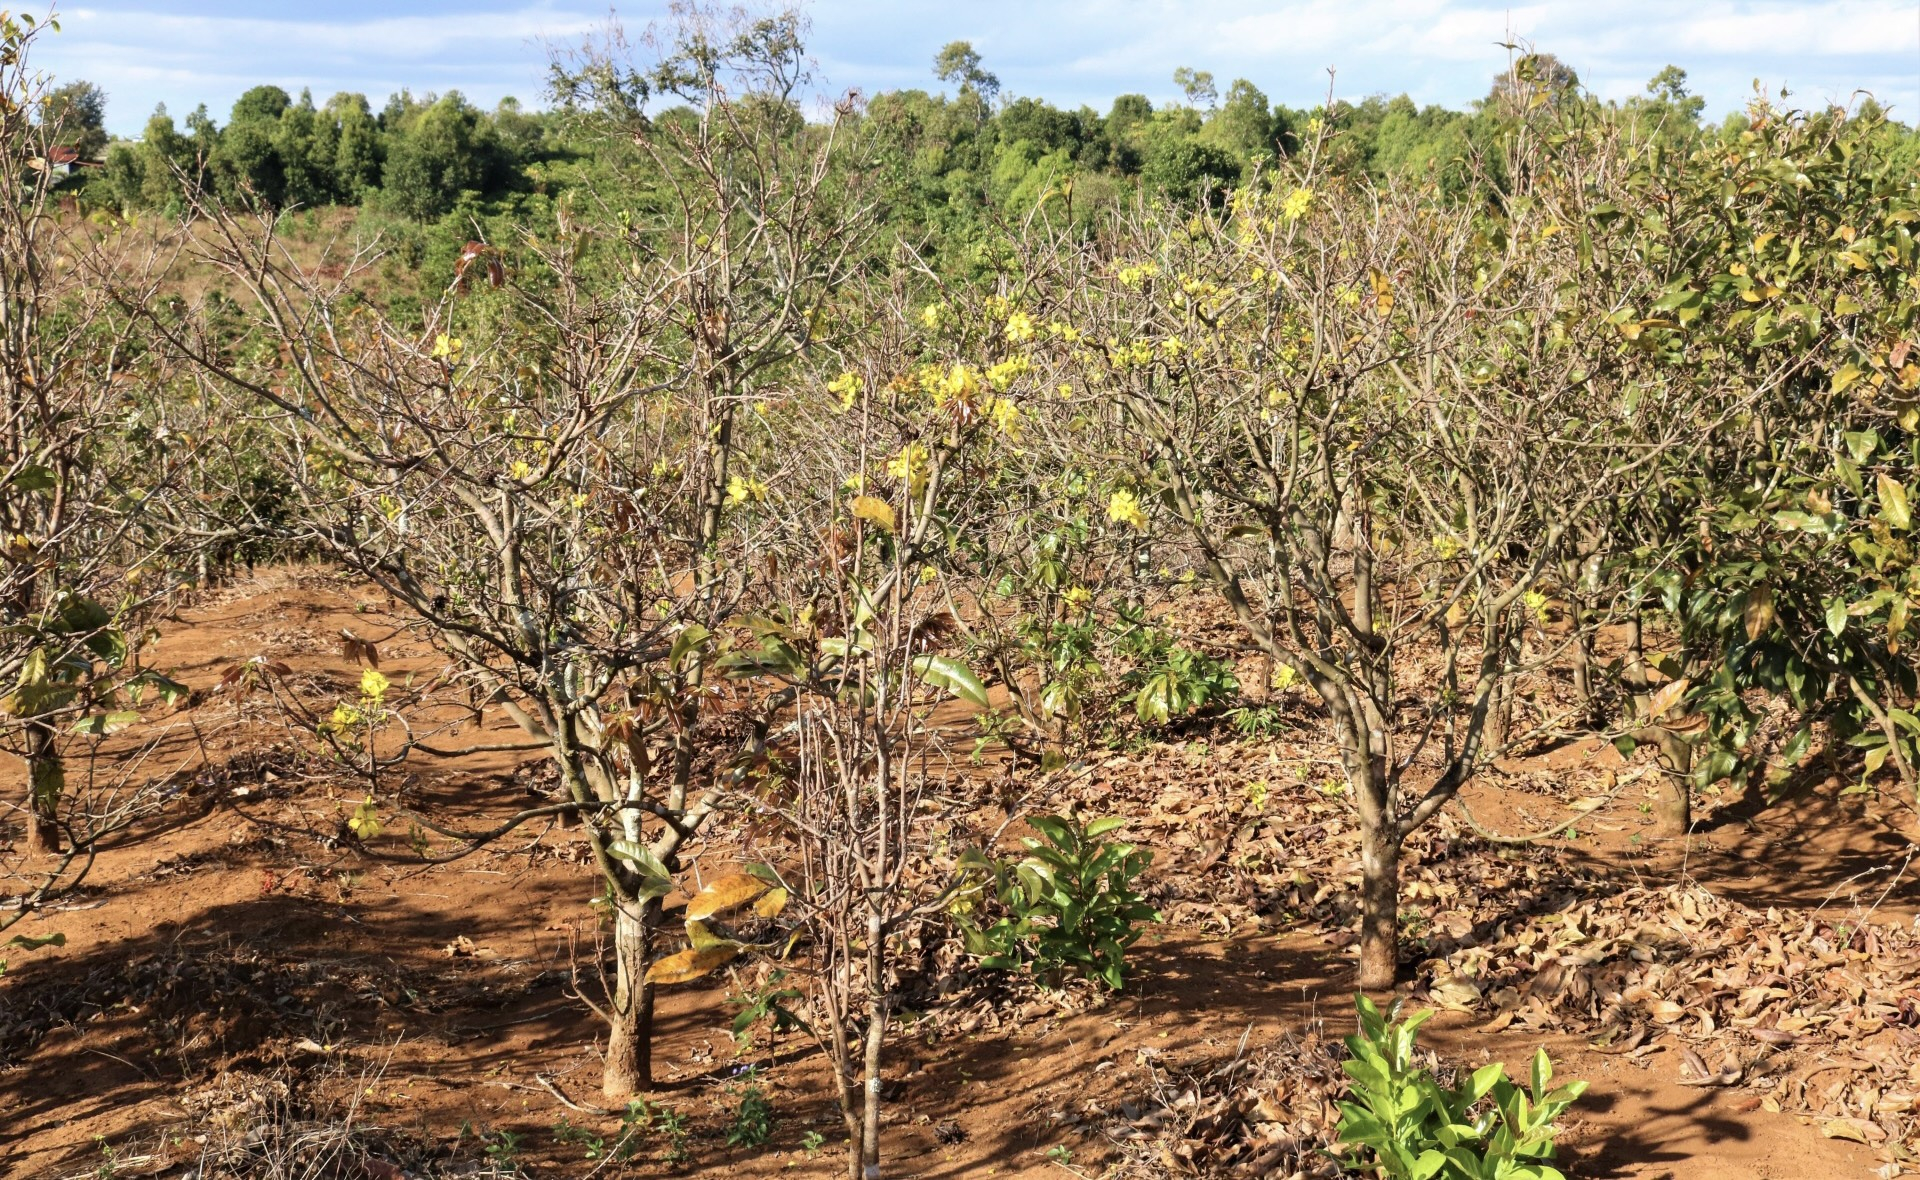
<point x="245" y="938"/>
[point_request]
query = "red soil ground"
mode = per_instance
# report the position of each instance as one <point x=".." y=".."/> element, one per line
<point x="239" y="938"/>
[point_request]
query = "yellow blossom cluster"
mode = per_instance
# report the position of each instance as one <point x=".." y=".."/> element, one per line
<point x="744" y="488"/>
<point x="848" y="387"/>
<point x="913" y="464"/>
<point x="1124" y="508"/>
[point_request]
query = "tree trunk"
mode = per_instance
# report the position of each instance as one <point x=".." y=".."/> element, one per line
<point x="629" y="1067"/>
<point x="1379" y="905"/>
<point x="46" y="778"/>
<point x="1583" y="671"/>
<point x="1675" y="808"/>
<point x="1499" y="710"/>
<point x="1674" y="812"/>
<point x="876" y="1035"/>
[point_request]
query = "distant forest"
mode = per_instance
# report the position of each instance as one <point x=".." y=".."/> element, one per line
<point x="954" y="160"/>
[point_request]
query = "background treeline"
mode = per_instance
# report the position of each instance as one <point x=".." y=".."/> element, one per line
<point x="953" y="162"/>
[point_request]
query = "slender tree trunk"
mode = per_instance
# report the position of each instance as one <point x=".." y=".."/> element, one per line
<point x="1580" y="575"/>
<point x="46" y="778"/>
<point x="1583" y="667"/>
<point x="876" y="1037"/>
<point x="629" y="1067"/>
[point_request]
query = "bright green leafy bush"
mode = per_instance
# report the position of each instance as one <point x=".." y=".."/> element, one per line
<point x="1410" y="1127"/>
<point x="1070" y="904"/>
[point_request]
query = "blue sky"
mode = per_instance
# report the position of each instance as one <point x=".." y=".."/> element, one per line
<point x="183" y="52"/>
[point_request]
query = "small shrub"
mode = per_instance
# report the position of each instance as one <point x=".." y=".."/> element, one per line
<point x="568" y="1134"/>
<point x="1413" y="1128"/>
<point x="752" y="1124"/>
<point x="502" y="1147"/>
<point x="1169" y="681"/>
<point x="1070" y="903"/>
<point x="766" y="1003"/>
<point x="1256" y="720"/>
<point x="651" y="1118"/>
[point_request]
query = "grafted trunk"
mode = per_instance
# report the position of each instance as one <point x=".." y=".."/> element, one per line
<point x="1379" y="907"/>
<point x="46" y="778"/>
<point x="629" y="1065"/>
<point x="1374" y="799"/>
<point x="1673" y="813"/>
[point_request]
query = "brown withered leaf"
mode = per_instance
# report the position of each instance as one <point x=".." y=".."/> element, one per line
<point x="725" y="893"/>
<point x="690" y="964"/>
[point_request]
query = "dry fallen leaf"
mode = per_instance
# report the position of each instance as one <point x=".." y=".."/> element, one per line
<point x="1858" y="1130"/>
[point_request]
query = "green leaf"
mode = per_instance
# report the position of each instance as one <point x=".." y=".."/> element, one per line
<point x="690" y="639"/>
<point x="952" y="675"/>
<point x="1893" y="503"/>
<point x="102" y="724"/>
<point x="1055" y="828"/>
<point x="772" y="655"/>
<point x="1837" y="616"/>
<point x="33" y="478"/>
<point x="34" y="942"/>
<point x="641" y="857"/>
<point x="169" y="690"/>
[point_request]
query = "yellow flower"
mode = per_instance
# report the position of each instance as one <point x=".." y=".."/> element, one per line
<point x="373" y="686"/>
<point x="1019" y="327"/>
<point x="1006" y="372"/>
<point x="742" y="488"/>
<point x="447" y="347"/>
<point x="1006" y="417"/>
<point x="912" y="465"/>
<point x="366" y="820"/>
<point x="932" y="314"/>
<point x="962" y="382"/>
<point x="1124" y="508"/>
<point x="1298" y="202"/>
<point x="1537" y="603"/>
<point x="522" y="471"/>
<point x="1079" y="597"/>
<point x="848" y="386"/>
